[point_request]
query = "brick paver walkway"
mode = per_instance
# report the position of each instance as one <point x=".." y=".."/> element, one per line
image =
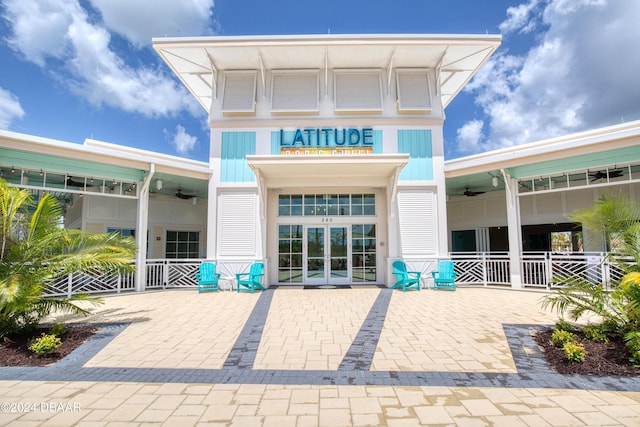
<point x="293" y="356"/>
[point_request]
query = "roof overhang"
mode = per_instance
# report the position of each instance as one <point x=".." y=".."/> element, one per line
<point x="196" y="61"/>
<point x="375" y="170"/>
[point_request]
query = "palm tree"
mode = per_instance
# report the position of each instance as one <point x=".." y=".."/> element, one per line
<point x="35" y="250"/>
<point x="616" y="218"/>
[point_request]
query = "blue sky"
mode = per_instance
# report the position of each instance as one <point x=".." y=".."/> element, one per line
<point x="77" y="69"/>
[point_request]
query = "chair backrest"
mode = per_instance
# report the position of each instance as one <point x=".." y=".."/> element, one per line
<point x="256" y="270"/>
<point x="399" y="268"/>
<point x="446" y="269"/>
<point x="207" y="270"/>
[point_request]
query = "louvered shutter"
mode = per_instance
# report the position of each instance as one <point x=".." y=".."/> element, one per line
<point x="239" y="92"/>
<point x="413" y="91"/>
<point x="358" y="91"/>
<point x="237" y="225"/>
<point x="294" y="91"/>
<point x="417" y="222"/>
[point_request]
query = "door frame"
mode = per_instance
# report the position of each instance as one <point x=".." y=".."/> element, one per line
<point x="327" y="277"/>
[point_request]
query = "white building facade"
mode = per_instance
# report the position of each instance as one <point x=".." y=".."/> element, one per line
<point x="327" y="164"/>
<point x="327" y="151"/>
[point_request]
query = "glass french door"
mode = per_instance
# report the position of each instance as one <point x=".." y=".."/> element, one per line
<point x="327" y="254"/>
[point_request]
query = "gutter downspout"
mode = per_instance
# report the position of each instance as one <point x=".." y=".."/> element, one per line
<point x="142" y="224"/>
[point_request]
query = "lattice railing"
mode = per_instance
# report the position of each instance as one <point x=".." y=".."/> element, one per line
<point x="537" y="270"/>
<point x="91" y="282"/>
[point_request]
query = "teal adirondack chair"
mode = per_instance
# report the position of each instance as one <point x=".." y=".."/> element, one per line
<point x="207" y="277"/>
<point x="406" y="279"/>
<point x="444" y="276"/>
<point x="251" y="281"/>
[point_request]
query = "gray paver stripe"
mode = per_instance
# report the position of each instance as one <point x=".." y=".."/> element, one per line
<point x="532" y="369"/>
<point x="243" y="353"/>
<point x="360" y="354"/>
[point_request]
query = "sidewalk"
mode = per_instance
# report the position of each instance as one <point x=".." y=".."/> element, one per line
<point x="293" y="356"/>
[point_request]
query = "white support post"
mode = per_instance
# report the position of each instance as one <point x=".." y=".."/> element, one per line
<point x="142" y="223"/>
<point x="514" y="226"/>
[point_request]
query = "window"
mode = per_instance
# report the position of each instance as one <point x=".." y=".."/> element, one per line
<point x="183" y="244"/>
<point x="124" y="232"/>
<point x="290" y="253"/>
<point x="294" y="91"/>
<point x="327" y="205"/>
<point x="239" y="94"/>
<point x="363" y="252"/>
<point x="358" y="90"/>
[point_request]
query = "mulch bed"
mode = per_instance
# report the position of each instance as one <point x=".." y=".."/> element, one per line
<point x="602" y="358"/>
<point x="14" y="349"/>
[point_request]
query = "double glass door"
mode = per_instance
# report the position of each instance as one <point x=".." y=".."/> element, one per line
<point x="327" y="254"/>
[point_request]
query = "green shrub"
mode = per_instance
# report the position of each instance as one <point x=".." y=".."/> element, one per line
<point x="45" y="344"/>
<point x="595" y="333"/>
<point x="559" y="337"/>
<point x="574" y="352"/>
<point x="632" y="342"/>
<point x="563" y="325"/>
<point x="58" y="329"/>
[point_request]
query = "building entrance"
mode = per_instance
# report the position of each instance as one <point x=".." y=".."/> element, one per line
<point x="318" y="254"/>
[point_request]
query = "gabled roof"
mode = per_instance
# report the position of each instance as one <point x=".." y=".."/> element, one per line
<point x="196" y="61"/>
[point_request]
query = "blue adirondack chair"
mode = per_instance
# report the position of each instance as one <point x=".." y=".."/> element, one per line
<point x="406" y="279"/>
<point x="444" y="276"/>
<point x="207" y="277"/>
<point x="251" y="281"/>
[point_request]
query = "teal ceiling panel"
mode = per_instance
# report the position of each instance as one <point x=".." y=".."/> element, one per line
<point x="620" y="156"/>
<point x="71" y="166"/>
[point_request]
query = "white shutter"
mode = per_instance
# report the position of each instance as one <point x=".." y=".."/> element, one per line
<point x="417" y="222"/>
<point x="358" y="91"/>
<point x="294" y="91"/>
<point x="239" y="94"/>
<point x="237" y="225"/>
<point x="413" y="91"/>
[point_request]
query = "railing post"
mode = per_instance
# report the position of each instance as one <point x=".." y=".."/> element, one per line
<point x="165" y="274"/>
<point x="548" y="266"/>
<point x="69" y="285"/>
<point x="484" y="269"/>
<point x="119" y="285"/>
<point x="605" y="271"/>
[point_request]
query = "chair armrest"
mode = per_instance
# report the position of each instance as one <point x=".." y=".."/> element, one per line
<point x="415" y="274"/>
<point x="240" y="275"/>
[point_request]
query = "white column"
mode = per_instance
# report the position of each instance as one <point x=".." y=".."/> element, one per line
<point x="514" y="226"/>
<point x="142" y="225"/>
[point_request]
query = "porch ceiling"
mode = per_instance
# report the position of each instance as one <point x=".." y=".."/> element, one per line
<point x="196" y="61"/>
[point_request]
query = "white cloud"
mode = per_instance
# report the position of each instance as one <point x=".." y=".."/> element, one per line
<point x="581" y="74"/>
<point x="521" y="18"/>
<point x="10" y="108"/>
<point x="63" y="39"/>
<point x="181" y="140"/>
<point x="140" y="20"/>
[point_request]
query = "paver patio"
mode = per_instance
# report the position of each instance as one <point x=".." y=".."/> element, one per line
<point x="293" y="356"/>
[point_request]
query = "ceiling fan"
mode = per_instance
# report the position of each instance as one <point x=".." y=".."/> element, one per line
<point x="181" y="195"/>
<point x="614" y="173"/>
<point x="471" y="193"/>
